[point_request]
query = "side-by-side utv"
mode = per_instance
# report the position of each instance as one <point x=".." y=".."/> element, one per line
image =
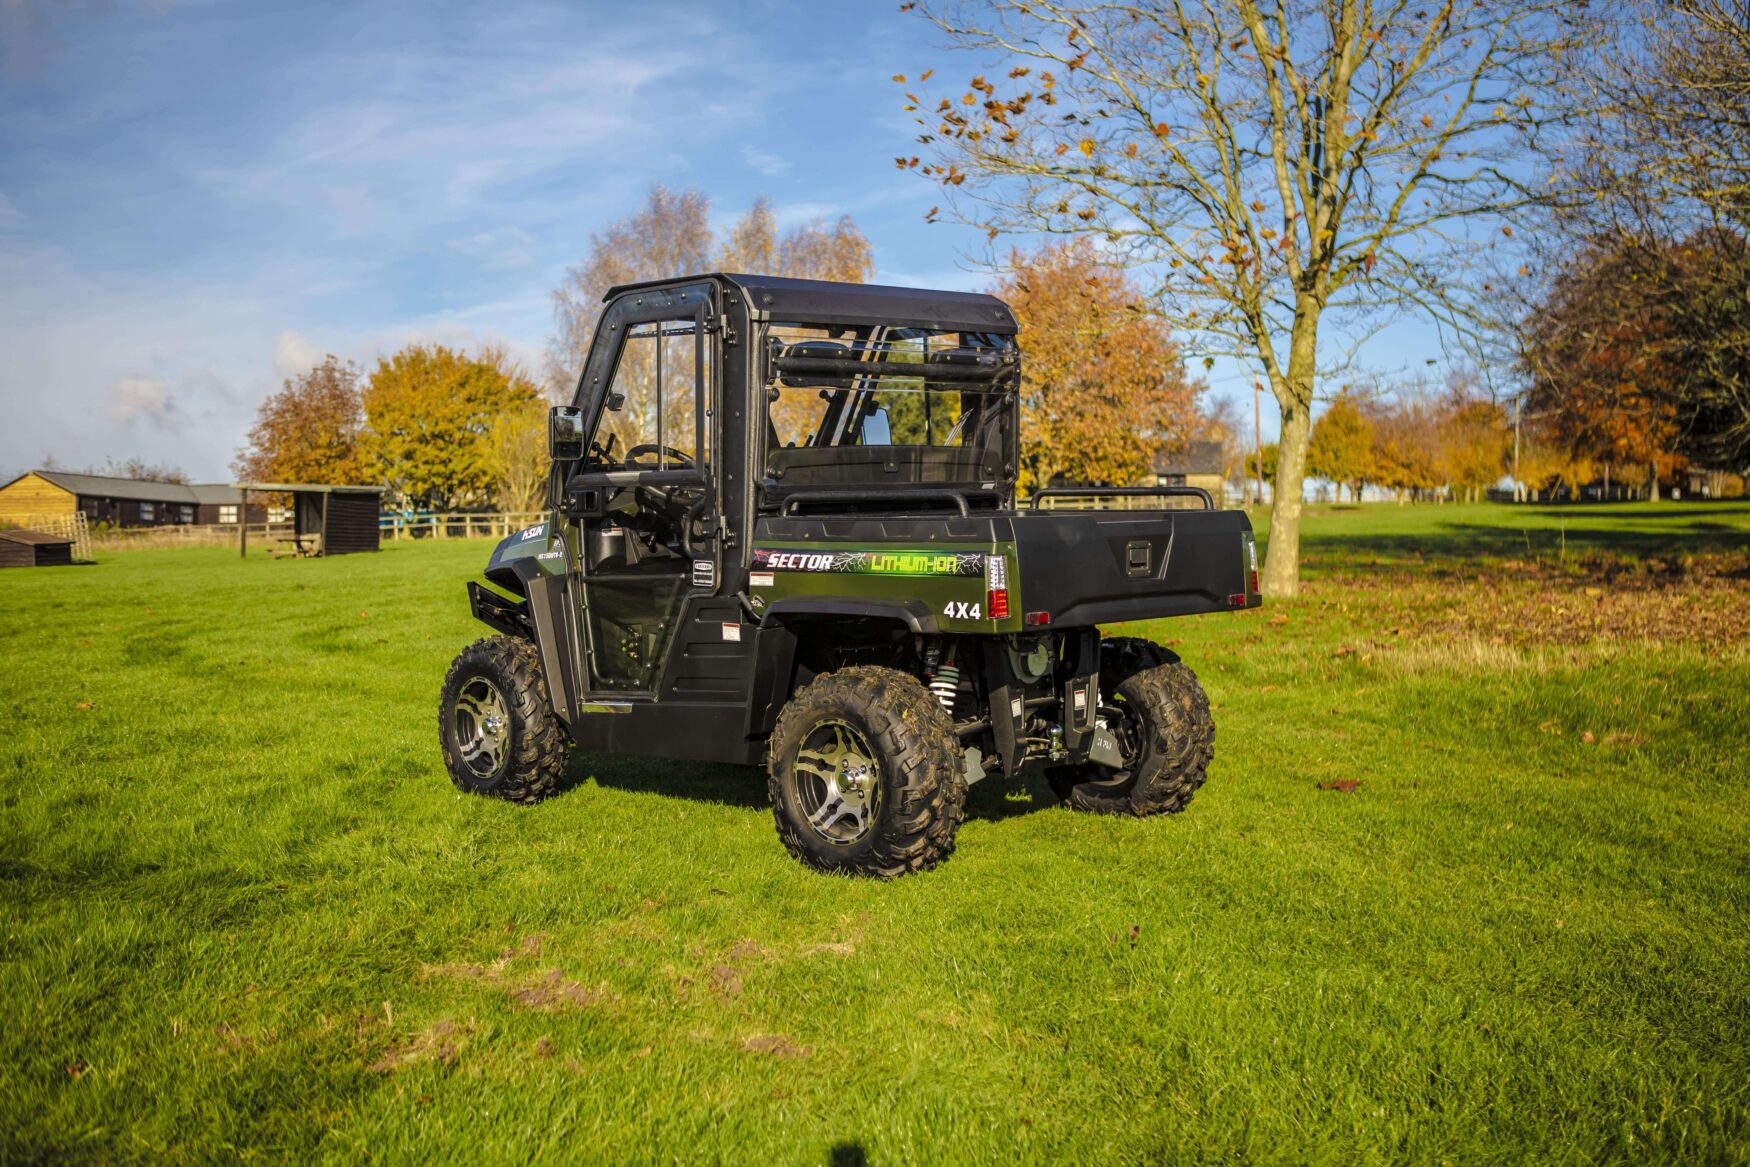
<point x="785" y="533"/>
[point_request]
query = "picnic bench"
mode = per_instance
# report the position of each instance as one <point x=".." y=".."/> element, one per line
<point x="300" y="546"/>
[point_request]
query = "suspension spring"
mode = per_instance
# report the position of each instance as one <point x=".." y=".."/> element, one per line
<point x="945" y="685"/>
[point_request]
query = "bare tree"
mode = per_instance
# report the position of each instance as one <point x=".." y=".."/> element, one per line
<point x="1279" y="168"/>
<point x="671" y="236"/>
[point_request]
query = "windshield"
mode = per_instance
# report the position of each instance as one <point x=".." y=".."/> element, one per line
<point x="888" y="405"/>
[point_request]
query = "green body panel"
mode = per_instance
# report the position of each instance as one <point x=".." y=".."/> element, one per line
<point x="899" y="573"/>
<point x="538" y="541"/>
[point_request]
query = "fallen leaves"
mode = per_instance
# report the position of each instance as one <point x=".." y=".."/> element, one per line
<point x="1341" y="785"/>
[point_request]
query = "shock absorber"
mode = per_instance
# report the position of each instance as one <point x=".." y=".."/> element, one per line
<point x="946" y="685"/>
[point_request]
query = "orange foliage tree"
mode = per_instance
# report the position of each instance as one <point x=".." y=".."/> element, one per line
<point x="309" y="431"/>
<point x="1342" y="445"/>
<point x="1103" y="384"/>
<point x="430" y="414"/>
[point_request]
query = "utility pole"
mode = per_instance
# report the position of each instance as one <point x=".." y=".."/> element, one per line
<point x="1258" y="436"/>
<point x="1518" y="482"/>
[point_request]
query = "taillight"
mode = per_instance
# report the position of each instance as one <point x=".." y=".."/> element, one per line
<point x="996" y="585"/>
<point x="1252" y="562"/>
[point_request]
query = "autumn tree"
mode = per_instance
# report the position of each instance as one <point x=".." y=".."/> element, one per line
<point x="1470" y="443"/>
<point x="309" y="431"/>
<point x="811" y="251"/>
<point x="430" y="416"/>
<point x="671" y="236"/>
<point x="1281" y="169"/>
<point x="1404" y="453"/>
<point x="1601" y="353"/>
<point x="1341" y="449"/>
<point x="1103" y="383"/>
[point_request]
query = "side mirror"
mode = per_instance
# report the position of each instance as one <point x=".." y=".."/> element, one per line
<point x="565" y="436"/>
<point x="616" y="402"/>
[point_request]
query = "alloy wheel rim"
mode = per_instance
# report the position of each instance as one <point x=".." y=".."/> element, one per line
<point x="482" y="724"/>
<point x="837" y="782"/>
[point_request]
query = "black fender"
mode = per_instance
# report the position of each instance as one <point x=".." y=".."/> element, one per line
<point x="774" y="652"/>
<point x="545" y="616"/>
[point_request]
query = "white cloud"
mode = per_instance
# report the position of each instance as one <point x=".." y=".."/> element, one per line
<point x="764" y="161"/>
<point x="295" y="353"/>
<point x="137" y="397"/>
<point x="507" y="247"/>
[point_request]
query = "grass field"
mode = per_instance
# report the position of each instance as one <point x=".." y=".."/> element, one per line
<point x="247" y="917"/>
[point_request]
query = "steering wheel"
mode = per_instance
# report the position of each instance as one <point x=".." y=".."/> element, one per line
<point x="636" y="452"/>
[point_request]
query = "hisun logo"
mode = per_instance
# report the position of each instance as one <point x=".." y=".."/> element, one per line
<point x="533" y="532"/>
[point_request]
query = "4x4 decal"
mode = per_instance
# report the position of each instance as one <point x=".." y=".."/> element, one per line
<point x="916" y="563"/>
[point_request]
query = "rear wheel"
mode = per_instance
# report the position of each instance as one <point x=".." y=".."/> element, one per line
<point x="497" y="725"/>
<point x="1157" y="710"/>
<point x="865" y="774"/>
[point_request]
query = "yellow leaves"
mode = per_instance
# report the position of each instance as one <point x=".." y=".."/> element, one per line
<point x="1062" y="147"/>
<point x="1047" y="80"/>
<point x="1019" y="71"/>
<point x="1177" y="262"/>
<point x="1076" y="62"/>
<point x="930" y="215"/>
<point x="1427" y="122"/>
<point x="1130" y="150"/>
<point x="969" y="99"/>
<point x="1086" y="215"/>
<point x="926" y="75"/>
<point x="1087" y="146"/>
<point x="899" y="78"/>
<point x="1163" y="131"/>
<point x="1267" y="234"/>
<point x="1257" y="205"/>
<point x="1507" y="231"/>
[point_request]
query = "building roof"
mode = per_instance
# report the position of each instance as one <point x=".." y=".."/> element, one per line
<point x="140" y="489"/>
<point x="827" y="301"/>
<point x="33" y="537"/>
<point x="1202" y="457"/>
<point x="306" y="488"/>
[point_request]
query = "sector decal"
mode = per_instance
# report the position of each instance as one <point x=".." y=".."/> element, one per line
<point x="912" y="563"/>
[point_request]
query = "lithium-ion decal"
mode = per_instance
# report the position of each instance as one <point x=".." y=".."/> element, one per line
<point x="914" y="563"/>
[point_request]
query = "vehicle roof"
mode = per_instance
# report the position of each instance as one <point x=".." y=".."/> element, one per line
<point x="827" y="301"/>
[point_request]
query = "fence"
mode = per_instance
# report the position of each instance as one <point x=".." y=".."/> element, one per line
<point x="72" y="528"/>
<point x="456" y="525"/>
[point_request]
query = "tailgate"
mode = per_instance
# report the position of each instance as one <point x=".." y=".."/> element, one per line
<point x="1101" y="567"/>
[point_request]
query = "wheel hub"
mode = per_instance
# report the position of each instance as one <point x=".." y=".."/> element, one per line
<point x="837" y="782"/>
<point x="482" y="726"/>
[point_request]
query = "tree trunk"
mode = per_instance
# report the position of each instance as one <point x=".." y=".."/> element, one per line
<point x="1282" y="559"/>
<point x="1652" y="482"/>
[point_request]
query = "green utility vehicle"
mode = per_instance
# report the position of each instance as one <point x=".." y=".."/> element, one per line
<point x="784" y="532"/>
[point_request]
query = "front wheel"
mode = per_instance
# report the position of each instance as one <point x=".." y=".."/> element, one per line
<point x="496" y="723"/>
<point x="865" y="774"/>
<point x="1158" y="712"/>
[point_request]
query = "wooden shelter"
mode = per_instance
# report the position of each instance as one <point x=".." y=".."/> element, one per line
<point x="326" y="519"/>
<point x="34" y="549"/>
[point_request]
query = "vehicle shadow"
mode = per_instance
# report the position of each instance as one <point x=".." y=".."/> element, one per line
<point x="744" y="787"/>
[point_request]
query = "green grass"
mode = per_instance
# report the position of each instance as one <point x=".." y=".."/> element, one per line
<point x="247" y="917"/>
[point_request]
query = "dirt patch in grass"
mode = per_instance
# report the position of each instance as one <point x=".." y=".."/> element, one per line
<point x="775" y="1044"/>
<point x="440" y="1042"/>
<point x="551" y="990"/>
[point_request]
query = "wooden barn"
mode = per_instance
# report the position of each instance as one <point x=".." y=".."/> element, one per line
<point x="122" y="502"/>
<point x="1197" y="464"/>
<point x="326" y="519"/>
<point x="19" y="548"/>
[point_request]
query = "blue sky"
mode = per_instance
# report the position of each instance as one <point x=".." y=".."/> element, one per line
<point x="200" y="197"/>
